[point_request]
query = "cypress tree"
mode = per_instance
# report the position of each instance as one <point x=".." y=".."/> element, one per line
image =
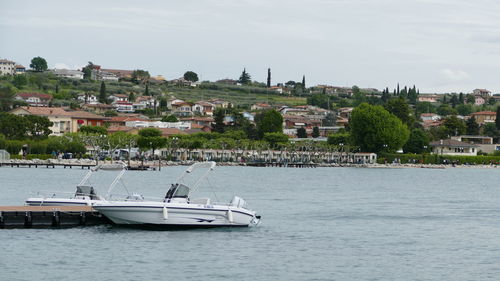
<point x="315" y="132"/>
<point x="269" y="78"/>
<point x="146" y="92"/>
<point x="131" y="97"/>
<point x="303" y="82"/>
<point x="397" y="92"/>
<point x="497" y="121"/>
<point x="102" y="93"/>
<point x="472" y="127"/>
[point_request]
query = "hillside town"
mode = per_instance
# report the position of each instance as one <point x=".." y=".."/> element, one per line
<point x="449" y="124"/>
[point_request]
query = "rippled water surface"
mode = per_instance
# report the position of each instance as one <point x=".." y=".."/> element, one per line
<point x="318" y="224"/>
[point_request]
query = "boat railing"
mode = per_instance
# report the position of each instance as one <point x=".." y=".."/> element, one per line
<point x="132" y="197"/>
<point x="52" y="194"/>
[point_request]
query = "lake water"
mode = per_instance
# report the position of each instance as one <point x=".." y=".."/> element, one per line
<point x="317" y="224"/>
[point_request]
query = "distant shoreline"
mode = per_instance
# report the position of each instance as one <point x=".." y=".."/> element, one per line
<point x="154" y="164"/>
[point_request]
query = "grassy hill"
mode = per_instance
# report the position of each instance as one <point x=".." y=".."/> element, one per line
<point x="65" y="91"/>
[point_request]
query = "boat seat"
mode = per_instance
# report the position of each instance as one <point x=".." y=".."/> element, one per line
<point x="200" y="201"/>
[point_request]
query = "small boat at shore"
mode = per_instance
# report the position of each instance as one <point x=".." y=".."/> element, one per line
<point x="179" y="210"/>
<point x="85" y="194"/>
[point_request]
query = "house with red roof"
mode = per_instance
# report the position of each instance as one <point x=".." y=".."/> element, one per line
<point x="122" y="120"/>
<point x="203" y="108"/>
<point x="484" y="117"/>
<point x="62" y="121"/>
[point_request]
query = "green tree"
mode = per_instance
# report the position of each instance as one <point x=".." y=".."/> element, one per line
<point x="490" y="130"/>
<point x="303" y="82"/>
<point x="454" y="126"/>
<point x="425" y="107"/>
<point x="375" y="129"/>
<point x="191" y="76"/>
<point x="470" y="99"/>
<point x="358" y="96"/>
<point x="454" y="100"/>
<point x="418" y="142"/>
<point x="497" y="120"/>
<point x="87" y="71"/>
<point x="400" y="109"/>
<point x="103" y="98"/>
<point x="412" y="95"/>
<point x="38" y="64"/>
<point x="268" y="84"/>
<point x="93" y="130"/>
<point x="245" y="77"/>
<point x="131" y="97"/>
<point x="38" y="126"/>
<point x="6" y="98"/>
<point x="339" y="138"/>
<point x="219" y="115"/>
<point x="315" y="132"/>
<point x="464" y="109"/>
<point x="140" y="76"/>
<point x="472" y="127"/>
<point x="268" y="121"/>
<point x="150" y="132"/>
<point x="20" y="81"/>
<point x="14" y="126"/>
<point x="169" y="118"/>
<point x="301" y="133"/>
<point x="330" y="120"/>
<point x="320" y="100"/>
<point x="153" y="143"/>
<point x="275" y="139"/>
<point x="446" y="110"/>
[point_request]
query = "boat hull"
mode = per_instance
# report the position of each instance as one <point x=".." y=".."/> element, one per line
<point x="165" y="215"/>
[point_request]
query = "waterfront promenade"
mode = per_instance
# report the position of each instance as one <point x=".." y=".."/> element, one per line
<point x="135" y="164"/>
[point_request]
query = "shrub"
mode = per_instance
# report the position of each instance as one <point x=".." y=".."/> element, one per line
<point x="13" y="146"/>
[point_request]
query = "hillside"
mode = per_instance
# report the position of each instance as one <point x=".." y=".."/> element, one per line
<point x="65" y="90"/>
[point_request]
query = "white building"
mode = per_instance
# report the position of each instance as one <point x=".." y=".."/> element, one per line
<point x="67" y="73"/>
<point x="7" y="67"/>
<point x="453" y="147"/>
<point x="88" y="98"/>
<point x="430" y="117"/>
<point x="123" y="106"/>
<point x="159" y="124"/>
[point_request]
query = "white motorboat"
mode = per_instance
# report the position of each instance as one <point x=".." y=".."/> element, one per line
<point x="85" y="194"/>
<point x="179" y="210"/>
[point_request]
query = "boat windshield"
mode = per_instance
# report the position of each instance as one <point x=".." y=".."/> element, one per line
<point x="85" y="190"/>
<point x="177" y="190"/>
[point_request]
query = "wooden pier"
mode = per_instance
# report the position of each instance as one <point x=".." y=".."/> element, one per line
<point x="47" y="165"/>
<point x="282" y="164"/>
<point x="49" y="216"/>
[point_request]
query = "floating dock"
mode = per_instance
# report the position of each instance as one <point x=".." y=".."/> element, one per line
<point x="49" y="216"/>
<point x="281" y="164"/>
<point x="47" y="165"/>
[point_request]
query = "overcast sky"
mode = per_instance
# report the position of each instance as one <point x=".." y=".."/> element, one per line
<point x="438" y="45"/>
